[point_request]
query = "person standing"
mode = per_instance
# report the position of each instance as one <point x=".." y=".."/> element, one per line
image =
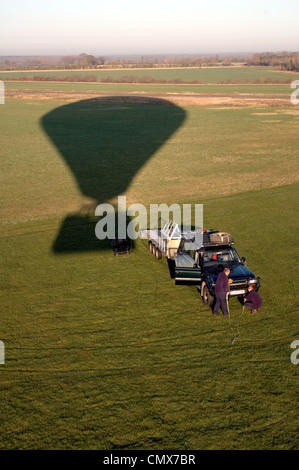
<point x="221" y="292"/>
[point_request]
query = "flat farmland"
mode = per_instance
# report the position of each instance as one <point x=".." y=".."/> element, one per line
<point x="105" y="352"/>
<point x="13" y="88"/>
<point x="243" y="83"/>
<point x="238" y="147"/>
<point x="203" y="75"/>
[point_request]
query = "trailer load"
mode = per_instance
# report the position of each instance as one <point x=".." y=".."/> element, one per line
<point x="165" y="241"/>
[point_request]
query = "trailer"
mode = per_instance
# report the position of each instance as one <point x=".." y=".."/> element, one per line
<point x="165" y="241"/>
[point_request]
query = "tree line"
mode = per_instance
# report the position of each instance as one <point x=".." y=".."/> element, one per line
<point x="282" y="60"/>
<point x="88" y="61"/>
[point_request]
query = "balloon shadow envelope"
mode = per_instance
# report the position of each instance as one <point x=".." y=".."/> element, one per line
<point x="105" y="142"/>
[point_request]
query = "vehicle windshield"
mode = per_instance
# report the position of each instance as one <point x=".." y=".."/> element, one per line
<point x="227" y="255"/>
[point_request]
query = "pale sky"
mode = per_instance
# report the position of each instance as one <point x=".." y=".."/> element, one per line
<point x="62" y="27"/>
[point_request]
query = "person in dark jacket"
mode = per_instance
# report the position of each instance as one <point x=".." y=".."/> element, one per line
<point x="221" y="292"/>
<point x="252" y="300"/>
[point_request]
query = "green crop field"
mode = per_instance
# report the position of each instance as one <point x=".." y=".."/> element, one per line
<point x="106" y="352"/>
<point x="203" y="75"/>
<point x="224" y="89"/>
<point x="229" y="81"/>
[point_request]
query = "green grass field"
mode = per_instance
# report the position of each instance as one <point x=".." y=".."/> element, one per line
<point x="46" y="87"/>
<point x="204" y="75"/>
<point x="237" y="81"/>
<point x="105" y="352"/>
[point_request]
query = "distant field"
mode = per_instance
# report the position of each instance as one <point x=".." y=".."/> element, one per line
<point x="241" y="148"/>
<point x="208" y="75"/>
<point x="41" y="87"/>
<point x="105" y="352"/>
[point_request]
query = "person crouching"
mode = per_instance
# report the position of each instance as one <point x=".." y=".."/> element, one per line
<point x="252" y="300"/>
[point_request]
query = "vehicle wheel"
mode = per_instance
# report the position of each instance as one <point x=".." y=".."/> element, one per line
<point x="150" y="245"/>
<point x="154" y="250"/>
<point x="158" y="253"/>
<point x="207" y="297"/>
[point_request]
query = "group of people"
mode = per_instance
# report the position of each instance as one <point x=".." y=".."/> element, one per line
<point x="252" y="300"/>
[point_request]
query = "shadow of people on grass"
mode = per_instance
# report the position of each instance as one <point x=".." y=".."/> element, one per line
<point x="105" y="142"/>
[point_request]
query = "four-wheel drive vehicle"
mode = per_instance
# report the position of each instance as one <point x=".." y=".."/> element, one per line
<point x="200" y="264"/>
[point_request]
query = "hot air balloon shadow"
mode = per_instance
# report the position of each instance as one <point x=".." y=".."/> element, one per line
<point x="105" y="142"/>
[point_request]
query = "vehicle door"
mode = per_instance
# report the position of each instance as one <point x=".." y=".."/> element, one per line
<point x="187" y="263"/>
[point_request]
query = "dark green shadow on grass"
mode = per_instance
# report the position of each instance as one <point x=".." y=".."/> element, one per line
<point x="105" y="142"/>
